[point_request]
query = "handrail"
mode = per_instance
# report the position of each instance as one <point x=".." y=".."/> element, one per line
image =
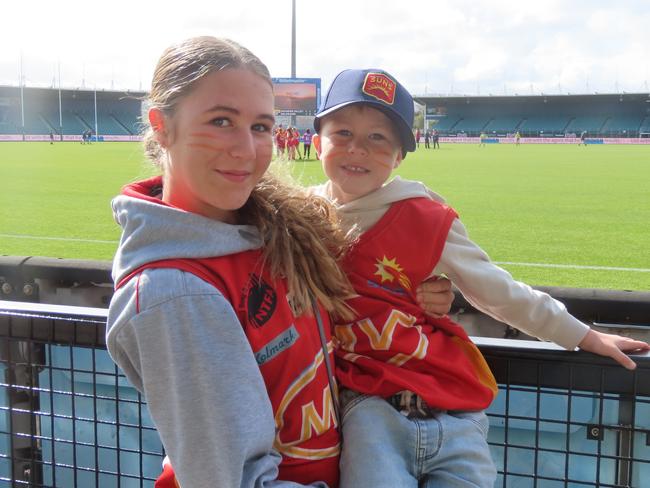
<point x="44" y="353"/>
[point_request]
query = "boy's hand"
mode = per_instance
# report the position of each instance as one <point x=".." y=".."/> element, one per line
<point x="613" y="346"/>
<point x="435" y="297"/>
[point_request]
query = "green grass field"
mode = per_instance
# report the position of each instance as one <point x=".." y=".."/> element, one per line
<point x="562" y="215"/>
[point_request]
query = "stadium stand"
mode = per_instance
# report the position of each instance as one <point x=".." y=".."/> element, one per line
<point x="446" y="124"/>
<point x="544" y="124"/>
<point x="9" y="112"/>
<point x="116" y="114"/>
<point x="626" y="123"/>
<point x="471" y="124"/>
<point x="608" y="115"/>
<point x="645" y="127"/>
<point x="591" y="124"/>
<point x="504" y="124"/>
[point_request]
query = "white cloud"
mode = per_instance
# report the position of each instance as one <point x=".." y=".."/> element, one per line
<point x="442" y="46"/>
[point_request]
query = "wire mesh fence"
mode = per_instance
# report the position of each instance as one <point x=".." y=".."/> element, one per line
<point x="68" y="417"/>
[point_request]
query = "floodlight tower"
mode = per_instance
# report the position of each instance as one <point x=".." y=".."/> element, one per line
<point x="293" y="38"/>
<point x="293" y="49"/>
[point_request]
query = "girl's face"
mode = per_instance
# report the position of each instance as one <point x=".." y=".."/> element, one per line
<point x="218" y="143"/>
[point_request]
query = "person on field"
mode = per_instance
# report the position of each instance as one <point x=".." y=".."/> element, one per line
<point x="415" y="387"/>
<point x="225" y="280"/>
<point x="293" y="141"/>
<point x="306" y="143"/>
<point x="281" y="141"/>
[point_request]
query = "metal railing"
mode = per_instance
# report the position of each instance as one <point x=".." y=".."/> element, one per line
<point x="567" y="419"/>
<point x="68" y="418"/>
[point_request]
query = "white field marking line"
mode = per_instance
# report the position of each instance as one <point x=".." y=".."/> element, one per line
<point x="572" y="266"/>
<point x="66" y="239"/>
<point x="500" y="263"/>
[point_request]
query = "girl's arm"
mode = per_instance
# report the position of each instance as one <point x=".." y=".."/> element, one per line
<point x="187" y="352"/>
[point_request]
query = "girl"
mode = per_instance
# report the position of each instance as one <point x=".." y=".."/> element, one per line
<point x="224" y="282"/>
<point x="216" y="273"/>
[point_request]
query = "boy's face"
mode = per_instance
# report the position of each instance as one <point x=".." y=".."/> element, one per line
<point x="359" y="148"/>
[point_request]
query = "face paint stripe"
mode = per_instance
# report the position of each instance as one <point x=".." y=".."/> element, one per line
<point x="203" y="146"/>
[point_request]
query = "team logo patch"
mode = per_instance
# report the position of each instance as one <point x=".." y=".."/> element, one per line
<point x="388" y="270"/>
<point x="261" y="301"/>
<point x="380" y="86"/>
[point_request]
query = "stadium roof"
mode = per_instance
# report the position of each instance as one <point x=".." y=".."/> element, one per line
<point x="638" y="97"/>
<point x="72" y="89"/>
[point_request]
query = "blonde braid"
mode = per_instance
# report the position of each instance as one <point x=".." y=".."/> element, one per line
<point x="302" y="243"/>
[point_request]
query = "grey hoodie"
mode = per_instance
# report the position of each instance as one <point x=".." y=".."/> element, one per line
<point x="179" y="342"/>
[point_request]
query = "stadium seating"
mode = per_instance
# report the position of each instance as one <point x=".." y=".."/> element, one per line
<point x="446" y="123"/>
<point x="627" y="123"/>
<point x="72" y="112"/>
<point x="117" y="113"/>
<point x="591" y="124"/>
<point x="504" y="124"/>
<point x="545" y="124"/>
<point x="471" y="124"/>
<point x="71" y="124"/>
<point x="645" y="126"/>
<point x="9" y="114"/>
<point x="610" y="115"/>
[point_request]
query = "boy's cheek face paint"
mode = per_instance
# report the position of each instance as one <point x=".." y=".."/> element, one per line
<point x="337" y="152"/>
<point x="386" y="158"/>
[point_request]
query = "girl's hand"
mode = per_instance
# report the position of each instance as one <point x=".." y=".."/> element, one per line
<point x="613" y="346"/>
<point x="435" y="297"/>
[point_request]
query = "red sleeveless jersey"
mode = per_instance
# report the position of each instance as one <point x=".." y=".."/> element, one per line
<point x="393" y="345"/>
<point x="290" y="357"/>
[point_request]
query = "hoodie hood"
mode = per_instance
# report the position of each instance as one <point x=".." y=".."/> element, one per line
<point x="364" y="212"/>
<point x="153" y="230"/>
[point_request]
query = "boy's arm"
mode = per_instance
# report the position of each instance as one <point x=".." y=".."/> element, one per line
<point x="613" y="346"/>
<point x="492" y="290"/>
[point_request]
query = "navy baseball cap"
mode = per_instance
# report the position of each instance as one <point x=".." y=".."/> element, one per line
<point x="378" y="89"/>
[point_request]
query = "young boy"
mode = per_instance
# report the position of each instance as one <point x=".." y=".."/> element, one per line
<point x="415" y="387"/>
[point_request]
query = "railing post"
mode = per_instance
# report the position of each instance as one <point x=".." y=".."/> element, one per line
<point x="22" y="358"/>
<point x="625" y="436"/>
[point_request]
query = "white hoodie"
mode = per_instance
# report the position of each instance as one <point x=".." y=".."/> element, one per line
<point x="486" y="286"/>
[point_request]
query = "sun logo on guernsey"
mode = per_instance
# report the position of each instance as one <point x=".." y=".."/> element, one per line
<point x="389" y="270"/>
<point x="379" y="86"/>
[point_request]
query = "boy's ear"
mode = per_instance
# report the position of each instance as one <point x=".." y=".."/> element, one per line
<point x="159" y="126"/>
<point x="398" y="159"/>
<point x="315" y="140"/>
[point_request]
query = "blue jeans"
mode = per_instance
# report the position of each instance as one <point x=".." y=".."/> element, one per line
<point x="383" y="448"/>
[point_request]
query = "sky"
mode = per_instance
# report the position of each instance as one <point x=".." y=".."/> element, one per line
<point x="471" y="47"/>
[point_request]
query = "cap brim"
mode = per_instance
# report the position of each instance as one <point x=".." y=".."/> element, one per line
<point x="405" y="133"/>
